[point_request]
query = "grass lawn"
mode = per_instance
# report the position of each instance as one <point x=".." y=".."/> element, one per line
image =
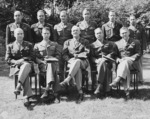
<point x="138" y="107"/>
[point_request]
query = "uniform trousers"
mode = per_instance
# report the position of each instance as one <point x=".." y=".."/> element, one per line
<point x="51" y="72"/>
<point x="104" y="75"/>
<point x="123" y="71"/>
<point x="23" y="78"/>
<point x="75" y="70"/>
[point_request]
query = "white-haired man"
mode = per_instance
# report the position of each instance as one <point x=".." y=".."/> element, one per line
<point x="20" y="58"/>
<point x="75" y="53"/>
<point x="130" y="52"/>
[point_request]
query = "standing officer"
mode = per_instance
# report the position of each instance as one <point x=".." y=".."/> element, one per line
<point x="19" y="55"/>
<point x="62" y="33"/>
<point x="17" y="24"/>
<point x="111" y="28"/>
<point x="36" y="29"/>
<point x="87" y="26"/>
<point x="137" y="32"/>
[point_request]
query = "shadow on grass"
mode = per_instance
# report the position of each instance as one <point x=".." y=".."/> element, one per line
<point x="71" y="95"/>
<point x="141" y="94"/>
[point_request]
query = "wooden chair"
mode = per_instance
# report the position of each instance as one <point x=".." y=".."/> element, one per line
<point x="31" y="77"/>
<point x="134" y="79"/>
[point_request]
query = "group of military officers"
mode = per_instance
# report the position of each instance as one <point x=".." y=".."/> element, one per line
<point x="79" y="46"/>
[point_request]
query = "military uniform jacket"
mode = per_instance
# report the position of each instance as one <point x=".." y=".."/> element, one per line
<point x="36" y="30"/>
<point x="10" y="32"/>
<point x="62" y="32"/>
<point x="13" y="53"/>
<point x="132" y="49"/>
<point x="110" y="33"/>
<point x="87" y="32"/>
<point x="98" y="49"/>
<point x="50" y="50"/>
<point x="79" y="47"/>
<point x="138" y="33"/>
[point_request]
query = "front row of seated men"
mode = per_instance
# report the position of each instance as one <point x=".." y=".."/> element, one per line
<point x="77" y="53"/>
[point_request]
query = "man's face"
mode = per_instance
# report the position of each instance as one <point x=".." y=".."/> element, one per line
<point x="75" y="31"/>
<point x="19" y="34"/>
<point x="86" y="15"/>
<point x="124" y="33"/>
<point x="63" y="16"/>
<point x="99" y="35"/>
<point x="45" y="34"/>
<point x="41" y="16"/>
<point x="112" y="16"/>
<point x="17" y="16"/>
<point x="132" y="20"/>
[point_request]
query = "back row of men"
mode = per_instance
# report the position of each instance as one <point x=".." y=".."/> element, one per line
<point x="62" y="31"/>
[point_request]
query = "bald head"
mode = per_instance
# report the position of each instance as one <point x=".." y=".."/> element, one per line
<point x="17" y="16"/>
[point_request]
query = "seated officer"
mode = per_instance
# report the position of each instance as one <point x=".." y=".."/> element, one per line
<point x="47" y="49"/>
<point x="103" y="54"/>
<point x="17" y="24"/>
<point x="75" y="53"/>
<point x="130" y="52"/>
<point x="19" y="57"/>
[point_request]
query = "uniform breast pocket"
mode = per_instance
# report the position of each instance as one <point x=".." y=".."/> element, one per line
<point x="108" y="32"/>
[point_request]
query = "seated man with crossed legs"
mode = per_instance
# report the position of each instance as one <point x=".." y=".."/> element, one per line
<point x="130" y="52"/>
<point x="75" y="53"/>
<point x="19" y="56"/>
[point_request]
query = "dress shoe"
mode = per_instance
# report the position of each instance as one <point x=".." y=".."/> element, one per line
<point x="45" y="94"/>
<point x="113" y="84"/>
<point x="64" y="83"/>
<point x="80" y="98"/>
<point x="27" y="104"/>
<point x="17" y="92"/>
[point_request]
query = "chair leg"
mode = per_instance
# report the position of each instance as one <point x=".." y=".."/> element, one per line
<point x="16" y="81"/>
<point x="39" y="84"/>
<point x="35" y="85"/>
<point x="134" y="80"/>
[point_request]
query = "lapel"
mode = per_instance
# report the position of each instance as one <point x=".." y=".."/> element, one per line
<point x="97" y="44"/>
<point x="40" y="25"/>
<point x="78" y="44"/>
<point x="23" y="45"/>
